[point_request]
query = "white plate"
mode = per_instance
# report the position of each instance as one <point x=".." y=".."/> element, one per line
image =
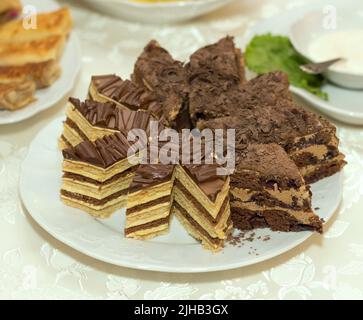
<point x="159" y="12"/>
<point x="48" y="97"/>
<point x="344" y="104"/>
<point x="40" y="183"/>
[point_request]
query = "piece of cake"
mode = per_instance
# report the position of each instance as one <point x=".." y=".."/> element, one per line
<point x="16" y="94"/>
<point x="124" y="93"/>
<point x="213" y="71"/>
<point x="201" y="203"/>
<point x="149" y="201"/>
<point x="91" y="120"/>
<point x="267" y="190"/>
<point x="156" y="70"/>
<point x="97" y="175"/>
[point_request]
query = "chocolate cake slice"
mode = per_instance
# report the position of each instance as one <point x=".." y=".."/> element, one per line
<point x="212" y="72"/>
<point x="97" y="175"/>
<point x="149" y="201"/>
<point x="124" y="93"/>
<point x="262" y="111"/>
<point x="201" y="203"/>
<point x="156" y="70"/>
<point x="91" y="120"/>
<point x="267" y="190"/>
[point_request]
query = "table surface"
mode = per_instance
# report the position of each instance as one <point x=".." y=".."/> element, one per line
<point x="35" y="265"/>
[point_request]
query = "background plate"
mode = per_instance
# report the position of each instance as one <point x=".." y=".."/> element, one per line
<point x="344" y="104"/>
<point x="70" y="63"/>
<point x="40" y="183"/>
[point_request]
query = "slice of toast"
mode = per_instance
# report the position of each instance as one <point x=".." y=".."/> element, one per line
<point x="53" y="23"/>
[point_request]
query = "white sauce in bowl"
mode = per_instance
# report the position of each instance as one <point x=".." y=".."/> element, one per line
<point x="340" y="44"/>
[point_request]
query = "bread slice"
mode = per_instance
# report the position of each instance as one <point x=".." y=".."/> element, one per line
<point x="17" y="94"/>
<point x="9" y="9"/>
<point x="53" y="23"/>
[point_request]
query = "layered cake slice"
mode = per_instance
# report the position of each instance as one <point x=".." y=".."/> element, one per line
<point x="156" y="70"/>
<point x="91" y="120"/>
<point x="201" y="203"/>
<point x="268" y="190"/>
<point x="96" y="176"/>
<point x="124" y="93"/>
<point x="149" y="201"/>
<point x="309" y="139"/>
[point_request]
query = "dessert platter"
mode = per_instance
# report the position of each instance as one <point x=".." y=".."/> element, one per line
<point x="82" y="184"/>
<point x="38" y="63"/>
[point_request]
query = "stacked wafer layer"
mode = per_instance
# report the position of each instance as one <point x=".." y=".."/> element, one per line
<point x="149" y="201"/>
<point x="201" y="203"/>
<point x="91" y="120"/>
<point x="96" y="176"/>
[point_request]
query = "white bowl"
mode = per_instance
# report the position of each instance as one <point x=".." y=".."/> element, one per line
<point x="158" y="12"/>
<point x="311" y="27"/>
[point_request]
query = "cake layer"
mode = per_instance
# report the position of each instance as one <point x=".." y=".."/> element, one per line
<point x="313" y="173"/>
<point x="148" y="230"/>
<point x="78" y="184"/>
<point x="194" y="229"/>
<point x="99" y="208"/>
<point x="300" y="215"/>
<point x="210" y="193"/>
<point x="300" y="198"/>
<point x="214" y="227"/>
<point x="276" y="220"/>
<point x="153" y="210"/>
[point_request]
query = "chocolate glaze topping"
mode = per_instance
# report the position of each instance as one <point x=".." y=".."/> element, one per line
<point x="102" y="153"/>
<point x="205" y="176"/>
<point x="108" y="115"/>
<point x="127" y="93"/>
<point x="151" y="174"/>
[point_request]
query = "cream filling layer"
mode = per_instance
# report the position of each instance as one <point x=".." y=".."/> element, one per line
<point x="195" y="233"/>
<point x="149" y="194"/>
<point x="215" y="231"/>
<point x="97" y="173"/>
<point x="149" y="233"/>
<point x="94" y="191"/>
<point x="104" y="209"/>
<point x="212" y="207"/>
<point x="312" y="168"/>
<point x="300" y="215"/>
<point x="91" y="132"/>
<point x="149" y="214"/>
<point x="311" y="136"/>
<point x="285" y="196"/>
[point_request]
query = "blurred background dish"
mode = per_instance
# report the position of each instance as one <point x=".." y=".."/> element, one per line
<point x="318" y="43"/>
<point x="24" y="67"/>
<point x="157" y="11"/>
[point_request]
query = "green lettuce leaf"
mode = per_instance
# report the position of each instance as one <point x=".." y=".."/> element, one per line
<point x="267" y="53"/>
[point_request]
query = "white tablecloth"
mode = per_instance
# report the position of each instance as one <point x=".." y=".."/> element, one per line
<point x="35" y="265"/>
